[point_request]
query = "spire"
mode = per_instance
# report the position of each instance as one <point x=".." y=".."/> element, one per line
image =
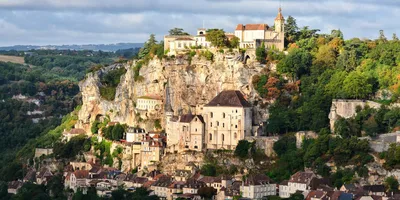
<point x="168" y="107"/>
<point x="279" y="16"/>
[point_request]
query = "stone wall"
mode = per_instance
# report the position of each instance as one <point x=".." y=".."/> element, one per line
<point x="265" y="143"/>
<point x="39" y="152"/>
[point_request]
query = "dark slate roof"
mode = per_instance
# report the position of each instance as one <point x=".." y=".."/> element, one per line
<point x="229" y="98"/>
<point x="374" y="188"/>
<point x="189" y="117"/>
<point x="257" y="179"/>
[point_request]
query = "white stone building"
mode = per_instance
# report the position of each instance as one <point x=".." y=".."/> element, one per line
<point x="253" y="35"/>
<point x="300" y="181"/>
<point x="257" y="187"/>
<point x="149" y="103"/>
<point x="228" y="119"/>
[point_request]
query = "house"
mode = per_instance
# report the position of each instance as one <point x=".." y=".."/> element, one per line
<point x="149" y="103"/>
<point x="300" y="181"/>
<point x="257" y="187"/>
<point x="186" y="131"/>
<point x="43" y="176"/>
<point x="30" y="176"/>
<point x="182" y="175"/>
<point x="378" y="190"/>
<point x="132" y="181"/>
<point x="67" y="135"/>
<point x="253" y="35"/>
<point x="284" y="191"/>
<point x="228" y="120"/>
<point x="151" y="152"/>
<point x="77" y="179"/>
<point x="13" y="187"/>
<point x="229" y="191"/>
<point x="160" y="187"/>
<point x="135" y="134"/>
<point x="348" y="188"/>
<point x="192" y="186"/>
<point x="175" y="188"/>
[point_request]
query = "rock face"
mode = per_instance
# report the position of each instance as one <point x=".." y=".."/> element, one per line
<point x="191" y="86"/>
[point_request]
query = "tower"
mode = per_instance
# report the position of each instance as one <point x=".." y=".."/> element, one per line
<point x="280" y="22"/>
<point x="169" y="112"/>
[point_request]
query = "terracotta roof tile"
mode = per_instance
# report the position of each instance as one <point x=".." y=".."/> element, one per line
<point x="252" y="27"/>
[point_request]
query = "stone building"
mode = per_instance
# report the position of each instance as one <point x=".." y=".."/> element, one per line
<point x="228" y="119"/>
<point x="149" y="103"/>
<point x="151" y="151"/>
<point x="188" y="131"/>
<point x="253" y="35"/>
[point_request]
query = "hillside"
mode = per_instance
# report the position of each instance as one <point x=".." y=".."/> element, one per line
<point x="13" y="59"/>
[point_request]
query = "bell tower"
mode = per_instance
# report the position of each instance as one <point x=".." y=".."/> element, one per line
<point x="280" y="22"/>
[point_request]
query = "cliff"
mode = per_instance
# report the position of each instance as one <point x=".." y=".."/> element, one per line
<point x="191" y="86"/>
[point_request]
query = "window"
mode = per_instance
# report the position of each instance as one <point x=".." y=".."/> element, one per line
<point x="211" y="115"/>
<point x="217" y="123"/>
<point x="236" y="126"/>
<point x="235" y="135"/>
<point x="210" y="124"/>
<point x="223" y="124"/>
<point x="195" y="130"/>
<point x="236" y="111"/>
<point x="223" y="137"/>
<point x="223" y="115"/>
<point x="210" y="136"/>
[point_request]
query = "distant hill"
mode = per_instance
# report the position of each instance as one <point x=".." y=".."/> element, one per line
<point x="94" y="47"/>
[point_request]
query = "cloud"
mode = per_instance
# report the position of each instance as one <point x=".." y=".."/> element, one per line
<point x="104" y="21"/>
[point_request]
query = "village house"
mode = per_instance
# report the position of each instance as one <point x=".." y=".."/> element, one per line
<point x="227" y="193"/>
<point x="284" y="191"/>
<point x="228" y="120"/>
<point x="67" y="135"/>
<point x="13" y="187"/>
<point x="257" y="187"/>
<point x="151" y="152"/>
<point x="132" y="181"/>
<point x="43" y="176"/>
<point x="149" y="103"/>
<point x="188" y="131"/>
<point x="192" y="186"/>
<point x="175" y="188"/>
<point x="300" y="181"/>
<point x="77" y="180"/>
<point x="160" y="187"/>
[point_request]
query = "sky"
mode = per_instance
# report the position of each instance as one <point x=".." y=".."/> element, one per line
<point x="43" y="22"/>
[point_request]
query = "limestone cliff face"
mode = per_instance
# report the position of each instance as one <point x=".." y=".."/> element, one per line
<point x="191" y="85"/>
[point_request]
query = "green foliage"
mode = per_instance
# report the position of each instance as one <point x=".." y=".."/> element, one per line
<point x="217" y="37"/>
<point x="391" y="184"/>
<point x="207" y="192"/>
<point x="109" y="82"/>
<point x="296" y="196"/>
<point x="157" y="124"/>
<point x="356" y="85"/>
<point x="177" y="31"/>
<point x="76" y="145"/>
<point x="342" y="177"/>
<point x="145" y="50"/>
<point x="208" y="55"/>
<point x="234" y="42"/>
<point x="113" y="132"/>
<point x="392" y="156"/>
<point x="91" y="194"/>
<point x="208" y="170"/>
<point x="261" y="53"/>
<point x="296" y="64"/>
<point x="95" y="127"/>
<point x="32" y="191"/>
<point x="244" y="148"/>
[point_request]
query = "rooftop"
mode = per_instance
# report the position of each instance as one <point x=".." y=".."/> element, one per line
<point x="229" y="98"/>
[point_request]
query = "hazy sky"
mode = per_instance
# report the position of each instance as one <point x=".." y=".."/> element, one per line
<point x="42" y="22"/>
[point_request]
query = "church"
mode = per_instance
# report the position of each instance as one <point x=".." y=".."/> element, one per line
<point x="253" y="35"/>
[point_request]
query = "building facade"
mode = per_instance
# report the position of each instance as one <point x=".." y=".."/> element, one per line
<point x="253" y="35"/>
<point x="228" y="120"/>
<point x="149" y="103"/>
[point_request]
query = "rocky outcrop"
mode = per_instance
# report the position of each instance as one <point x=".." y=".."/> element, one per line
<point x="191" y="86"/>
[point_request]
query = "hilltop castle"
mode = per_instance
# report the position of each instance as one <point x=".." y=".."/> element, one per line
<point x="250" y="36"/>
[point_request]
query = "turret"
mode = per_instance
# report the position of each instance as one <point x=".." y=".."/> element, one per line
<point x="280" y="22"/>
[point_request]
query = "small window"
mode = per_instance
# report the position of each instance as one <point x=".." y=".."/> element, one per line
<point x="223" y="137"/>
<point x="217" y="123"/>
<point x="223" y="125"/>
<point x="211" y="115"/>
<point x="236" y="111"/>
<point x="236" y="126"/>
<point x="210" y="124"/>
<point x="223" y="115"/>
<point x="210" y="136"/>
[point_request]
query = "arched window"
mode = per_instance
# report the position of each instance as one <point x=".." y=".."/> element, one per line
<point x="235" y="135"/>
<point x="236" y="111"/>
<point x="210" y="124"/>
<point x="223" y="125"/>
<point x="217" y="123"/>
<point x="236" y="126"/>
<point x="210" y="137"/>
<point x="223" y="137"/>
<point x="211" y="115"/>
<point x="223" y="115"/>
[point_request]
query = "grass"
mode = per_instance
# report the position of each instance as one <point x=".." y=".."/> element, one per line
<point x="13" y="59"/>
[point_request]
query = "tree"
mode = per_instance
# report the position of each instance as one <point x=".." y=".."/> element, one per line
<point x="234" y="42"/>
<point x="145" y="50"/>
<point x="95" y="127"/>
<point x="55" y="187"/>
<point x="296" y="64"/>
<point x="217" y="37"/>
<point x="291" y="29"/>
<point x="177" y="31"/>
<point x="207" y="192"/>
<point x="382" y="37"/>
<point x="337" y="33"/>
<point x="118" y="132"/>
<point x="261" y="53"/>
<point x="325" y="58"/>
<point x="296" y="196"/>
<point x="356" y="85"/>
<point x="394" y="37"/>
<point x="208" y="170"/>
<point x="391" y="184"/>
<point x="242" y="149"/>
